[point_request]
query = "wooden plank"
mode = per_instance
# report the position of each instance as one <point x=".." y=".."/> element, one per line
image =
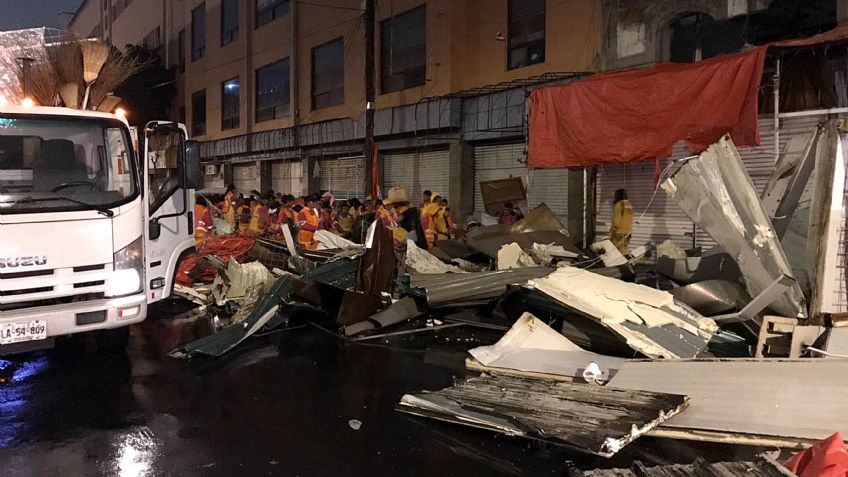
<point x="587" y="417"/>
<point x="791" y="400"/>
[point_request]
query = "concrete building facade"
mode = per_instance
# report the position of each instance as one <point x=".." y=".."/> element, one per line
<point x="275" y="89"/>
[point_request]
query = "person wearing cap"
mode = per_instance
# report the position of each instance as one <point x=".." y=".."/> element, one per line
<point x="408" y="219"/>
<point x="426" y="199"/>
<point x="433" y="220"/>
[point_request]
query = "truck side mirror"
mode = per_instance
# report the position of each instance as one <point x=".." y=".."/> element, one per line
<point x="193" y="173"/>
<point x="154" y="229"/>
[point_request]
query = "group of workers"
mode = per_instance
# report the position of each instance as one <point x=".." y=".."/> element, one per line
<point x="267" y="214"/>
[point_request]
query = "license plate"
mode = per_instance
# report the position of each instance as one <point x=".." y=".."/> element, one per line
<point x="19" y="332"/>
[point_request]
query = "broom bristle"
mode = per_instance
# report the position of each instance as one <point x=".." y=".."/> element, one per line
<point x="108" y="104"/>
<point x="94" y="54"/>
<point x="69" y="92"/>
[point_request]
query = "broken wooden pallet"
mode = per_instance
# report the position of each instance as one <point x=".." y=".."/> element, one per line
<point x="586" y="417"/>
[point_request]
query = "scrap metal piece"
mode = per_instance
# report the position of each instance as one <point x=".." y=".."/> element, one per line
<point x="268" y="312"/>
<point x="475" y="286"/>
<point x="400" y="311"/>
<point x="649" y="320"/>
<point x="715" y="266"/>
<point x="586" y="417"/>
<point x="712" y="297"/>
<point x="732" y="400"/>
<point x="715" y="191"/>
<point x="540" y="219"/>
<point x="377" y="268"/>
<point x="759" y="303"/>
<point x="534" y="347"/>
<point x="762" y="467"/>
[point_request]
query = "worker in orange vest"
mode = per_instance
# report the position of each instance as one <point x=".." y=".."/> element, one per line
<point x="244" y="213"/>
<point x="259" y="218"/>
<point x="308" y="223"/>
<point x="202" y="221"/>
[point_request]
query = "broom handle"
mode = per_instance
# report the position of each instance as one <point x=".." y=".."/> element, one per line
<point x="85" y="98"/>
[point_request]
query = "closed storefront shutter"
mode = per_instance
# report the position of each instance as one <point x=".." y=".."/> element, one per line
<point x="417" y="172"/>
<point x="287" y="178"/>
<point x="549" y="186"/>
<point x="344" y="177"/>
<point x="246" y="177"/>
<point x="662" y="218"/>
<point x="497" y="161"/>
<point x="213" y="176"/>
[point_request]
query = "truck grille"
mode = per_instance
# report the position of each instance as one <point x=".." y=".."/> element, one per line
<point x="12" y="276"/>
<point x="49" y="287"/>
<point x="52" y="301"/>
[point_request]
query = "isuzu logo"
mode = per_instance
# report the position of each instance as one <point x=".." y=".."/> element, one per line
<point x="23" y="261"/>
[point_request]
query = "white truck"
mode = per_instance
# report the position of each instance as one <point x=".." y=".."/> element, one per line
<point x="89" y="234"/>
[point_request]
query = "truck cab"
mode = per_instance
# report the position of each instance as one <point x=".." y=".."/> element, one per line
<point x="90" y="233"/>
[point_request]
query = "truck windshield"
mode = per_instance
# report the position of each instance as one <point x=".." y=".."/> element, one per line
<point x="56" y="163"/>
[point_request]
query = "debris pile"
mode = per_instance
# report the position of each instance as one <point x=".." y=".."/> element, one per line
<point x="718" y="345"/>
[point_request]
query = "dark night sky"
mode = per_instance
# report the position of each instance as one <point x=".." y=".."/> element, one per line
<point x="18" y="14"/>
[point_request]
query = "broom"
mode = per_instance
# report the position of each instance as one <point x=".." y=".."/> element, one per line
<point x="94" y="54"/>
<point x="108" y="104"/>
<point x="69" y="92"/>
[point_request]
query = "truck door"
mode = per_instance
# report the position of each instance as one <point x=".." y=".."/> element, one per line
<point x="171" y="166"/>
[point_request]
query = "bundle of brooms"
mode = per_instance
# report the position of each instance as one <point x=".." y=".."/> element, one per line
<point x="78" y="74"/>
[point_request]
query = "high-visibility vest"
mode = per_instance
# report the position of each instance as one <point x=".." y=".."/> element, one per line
<point x="258" y="220"/>
<point x="228" y="208"/>
<point x="307" y="218"/>
<point x="200" y="226"/>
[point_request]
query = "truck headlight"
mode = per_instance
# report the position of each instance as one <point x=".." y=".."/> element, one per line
<point x="129" y="269"/>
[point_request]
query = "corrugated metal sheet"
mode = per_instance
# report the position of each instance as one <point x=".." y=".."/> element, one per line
<point x="549" y="186"/>
<point x="417" y="172"/>
<point x="344" y="176"/>
<point x="662" y="219"/>
<point x="287" y="177"/>
<point x="444" y="288"/>
<point x="497" y="161"/>
<point x="246" y="177"/>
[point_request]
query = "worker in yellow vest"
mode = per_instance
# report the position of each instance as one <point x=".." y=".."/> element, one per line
<point x="622" y="221"/>
<point x="228" y="207"/>
<point x="202" y="221"/>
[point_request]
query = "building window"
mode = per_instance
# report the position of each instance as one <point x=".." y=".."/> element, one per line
<point x="328" y="74"/>
<point x="272" y="91"/>
<point x="198" y="32"/>
<point x="526" y="40"/>
<point x="403" y="50"/>
<point x="181" y="56"/>
<point x="229" y="21"/>
<point x="198" y="113"/>
<point x="269" y="10"/>
<point x="230" y="104"/>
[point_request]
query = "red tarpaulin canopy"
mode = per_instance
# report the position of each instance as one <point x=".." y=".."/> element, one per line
<point x="637" y="115"/>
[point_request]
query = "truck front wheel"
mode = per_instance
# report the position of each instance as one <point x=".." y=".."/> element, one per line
<point x="115" y="339"/>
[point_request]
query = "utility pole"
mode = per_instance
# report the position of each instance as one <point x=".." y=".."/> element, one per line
<point x="369" y="98"/>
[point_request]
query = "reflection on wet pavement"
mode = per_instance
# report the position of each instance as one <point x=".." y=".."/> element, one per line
<point x="280" y="405"/>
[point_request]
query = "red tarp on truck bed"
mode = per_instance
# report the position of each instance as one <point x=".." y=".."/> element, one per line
<point x="637" y="115"/>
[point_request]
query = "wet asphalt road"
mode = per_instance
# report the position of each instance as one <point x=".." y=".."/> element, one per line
<point x="279" y="405"/>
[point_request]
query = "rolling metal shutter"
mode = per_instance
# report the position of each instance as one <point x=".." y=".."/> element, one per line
<point x="549" y="186"/>
<point x="497" y="161"/>
<point x="246" y="177"/>
<point x="213" y="176"/>
<point x="344" y="177"/>
<point x="417" y="172"/>
<point x="287" y="177"/>
<point x="662" y="218"/>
